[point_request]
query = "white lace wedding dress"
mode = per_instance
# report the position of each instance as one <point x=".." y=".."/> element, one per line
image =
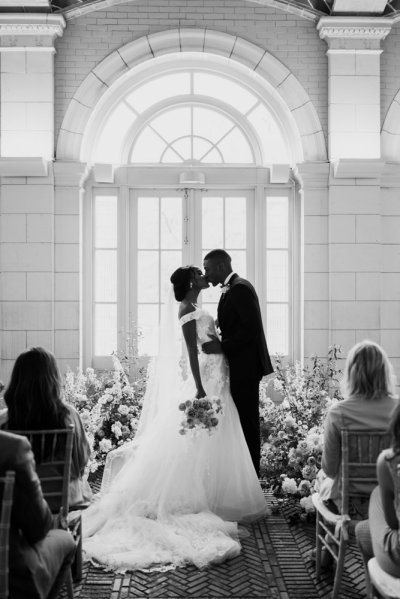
<point x="176" y="499"/>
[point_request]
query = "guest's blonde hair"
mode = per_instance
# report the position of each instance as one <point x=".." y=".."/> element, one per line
<point x="368" y="372"/>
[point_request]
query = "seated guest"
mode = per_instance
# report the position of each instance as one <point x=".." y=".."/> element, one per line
<point x="34" y="402"/>
<point x="369" y="401"/>
<point x="39" y="556"/>
<point x="379" y="535"/>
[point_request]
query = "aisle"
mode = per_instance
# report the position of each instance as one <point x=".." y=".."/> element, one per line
<point x="274" y="564"/>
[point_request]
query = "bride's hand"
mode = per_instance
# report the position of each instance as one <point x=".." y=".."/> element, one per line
<point x="200" y="393"/>
<point x="212" y="347"/>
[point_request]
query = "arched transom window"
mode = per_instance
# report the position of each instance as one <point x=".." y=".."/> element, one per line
<point x="192" y="115"/>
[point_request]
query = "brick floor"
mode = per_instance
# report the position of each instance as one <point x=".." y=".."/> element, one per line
<point x="275" y="563"/>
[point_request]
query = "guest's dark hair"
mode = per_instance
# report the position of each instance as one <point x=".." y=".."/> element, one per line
<point x="219" y="256"/>
<point x="33" y="396"/>
<point x="181" y="279"/>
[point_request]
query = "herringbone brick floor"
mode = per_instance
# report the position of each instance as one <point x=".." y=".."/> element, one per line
<point x="275" y="563"/>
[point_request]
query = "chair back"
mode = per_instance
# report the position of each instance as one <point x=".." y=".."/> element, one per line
<point x="360" y="450"/>
<point x="6" y="492"/>
<point x="52" y="449"/>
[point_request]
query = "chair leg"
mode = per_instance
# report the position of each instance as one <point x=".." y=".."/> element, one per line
<point x="318" y="547"/>
<point x="69" y="586"/>
<point x="339" y="568"/>
<point x="77" y="563"/>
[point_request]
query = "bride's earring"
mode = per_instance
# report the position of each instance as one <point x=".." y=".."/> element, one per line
<point x="191" y="284"/>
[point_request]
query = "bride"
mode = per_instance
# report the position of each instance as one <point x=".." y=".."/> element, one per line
<point x="169" y="499"/>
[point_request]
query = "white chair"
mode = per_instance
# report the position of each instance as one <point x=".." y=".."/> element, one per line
<point x="386" y="585"/>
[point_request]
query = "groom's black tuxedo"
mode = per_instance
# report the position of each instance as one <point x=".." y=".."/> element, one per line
<point x="243" y="343"/>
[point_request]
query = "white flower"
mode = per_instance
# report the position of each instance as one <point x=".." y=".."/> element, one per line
<point x="133" y="423"/>
<point x="105" y="445"/>
<point x="124" y="410"/>
<point x="289" y="486"/>
<point x="116" y="429"/>
<point x="307" y="504"/>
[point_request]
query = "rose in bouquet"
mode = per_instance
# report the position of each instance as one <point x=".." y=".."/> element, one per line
<point x="200" y="414"/>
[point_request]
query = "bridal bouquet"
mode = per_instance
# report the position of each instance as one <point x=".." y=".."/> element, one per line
<point x="200" y="414"/>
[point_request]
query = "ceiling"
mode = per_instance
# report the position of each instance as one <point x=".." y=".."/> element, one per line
<point x="310" y="9"/>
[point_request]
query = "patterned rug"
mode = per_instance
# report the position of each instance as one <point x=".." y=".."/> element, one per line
<point x="275" y="563"/>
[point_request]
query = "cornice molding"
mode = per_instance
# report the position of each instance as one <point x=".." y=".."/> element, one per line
<point x="312" y="174"/>
<point x="353" y="30"/>
<point x="30" y="29"/>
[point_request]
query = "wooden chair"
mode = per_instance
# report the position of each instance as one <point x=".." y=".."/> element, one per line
<point x="360" y="450"/>
<point x="7" y="485"/>
<point x="53" y="451"/>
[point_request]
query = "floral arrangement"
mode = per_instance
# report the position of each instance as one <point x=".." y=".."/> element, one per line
<point x="109" y="407"/>
<point x="292" y="431"/>
<point x="200" y="414"/>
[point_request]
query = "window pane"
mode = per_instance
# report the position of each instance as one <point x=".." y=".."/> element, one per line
<point x="277" y="329"/>
<point x="238" y="261"/>
<point x="148" y="214"/>
<point x="148" y="319"/>
<point x="235" y="222"/>
<point x="213" y="157"/>
<point x="171" y="156"/>
<point x="277" y="224"/>
<point x="170" y="261"/>
<point x="200" y="147"/>
<point x="148" y="147"/>
<point x="105" y="223"/>
<point x="274" y="147"/>
<point x="223" y="89"/>
<point x="235" y="148"/>
<point x="183" y="148"/>
<point x="171" y="223"/>
<point x="147" y="280"/>
<point x="212" y="222"/>
<point x="277" y="276"/>
<point x="158" y="89"/>
<point x="173" y="124"/>
<point x="105" y="276"/>
<point x="105" y="329"/>
<point x="109" y="147"/>
<point x="210" y="124"/>
<point x="210" y="295"/>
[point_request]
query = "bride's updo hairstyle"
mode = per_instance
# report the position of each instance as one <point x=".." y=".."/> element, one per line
<point x="181" y="280"/>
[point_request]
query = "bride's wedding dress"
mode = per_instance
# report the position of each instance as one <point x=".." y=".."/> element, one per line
<point x="169" y="499"/>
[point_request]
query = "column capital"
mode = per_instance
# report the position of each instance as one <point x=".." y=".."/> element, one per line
<point x="354" y="33"/>
<point x="29" y="30"/>
<point x="312" y="174"/>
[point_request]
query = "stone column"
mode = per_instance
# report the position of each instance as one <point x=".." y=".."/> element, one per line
<point x="354" y="85"/>
<point x="26" y="183"/>
<point x="354" y="207"/>
<point x="69" y="180"/>
<point x="27" y="84"/>
<point x="313" y="178"/>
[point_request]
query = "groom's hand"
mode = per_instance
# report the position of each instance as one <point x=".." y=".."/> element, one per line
<point x="212" y="347"/>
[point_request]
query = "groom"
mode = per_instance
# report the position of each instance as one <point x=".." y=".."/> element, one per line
<point x="242" y="341"/>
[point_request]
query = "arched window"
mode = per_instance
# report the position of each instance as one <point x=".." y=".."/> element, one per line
<point x="192" y="115"/>
<point x="194" y="145"/>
